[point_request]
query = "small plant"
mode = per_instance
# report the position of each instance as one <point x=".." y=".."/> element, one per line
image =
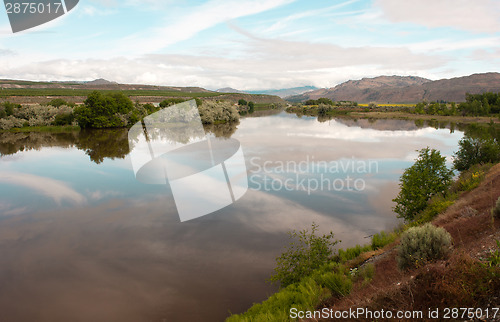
<point x="494" y="259"/>
<point x="422" y="244"/>
<point x="496" y="210"/>
<point x="381" y="239"/>
<point x="305" y="253"/>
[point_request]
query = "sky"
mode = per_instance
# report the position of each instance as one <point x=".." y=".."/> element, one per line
<point x="255" y="44"/>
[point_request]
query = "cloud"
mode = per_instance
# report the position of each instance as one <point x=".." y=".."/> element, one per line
<point x="54" y="189"/>
<point x="283" y="23"/>
<point x="196" y="20"/>
<point x="262" y="63"/>
<point x="6" y="52"/>
<point x="477" y="16"/>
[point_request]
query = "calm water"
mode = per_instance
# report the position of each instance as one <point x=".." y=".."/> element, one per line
<point x="82" y="240"/>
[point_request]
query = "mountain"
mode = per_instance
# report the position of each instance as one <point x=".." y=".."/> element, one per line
<point x="230" y="90"/>
<point x="100" y="81"/>
<point x="285" y="92"/>
<point x="406" y="89"/>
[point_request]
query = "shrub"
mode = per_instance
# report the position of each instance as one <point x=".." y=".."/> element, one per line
<point x="305" y="253"/>
<point x="381" y="239"/>
<point x="427" y="177"/>
<point x="212" y="112"/>
<point x="496" y="210"/>
<point x="351" y="253"/>
<point x="323" y="109"/>
<point x="58" y="102"/>
<point x="171" y="101"/>
<point x="422" y="244"/>
<point x="104" y="110"/>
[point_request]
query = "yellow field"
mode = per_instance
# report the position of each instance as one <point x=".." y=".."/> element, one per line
<point x="387" y="105"/>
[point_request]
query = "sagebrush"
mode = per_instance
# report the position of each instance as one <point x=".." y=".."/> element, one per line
<point x="422" y="244"/>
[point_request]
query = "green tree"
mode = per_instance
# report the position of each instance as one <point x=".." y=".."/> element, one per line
<point x="475" y="151"/>
<point x="305" y="253"/>
<point x="426" y="177"/>
<point x="242" y="102"/>
<point x="105" y="110"/>
<point x="251" y="107"/>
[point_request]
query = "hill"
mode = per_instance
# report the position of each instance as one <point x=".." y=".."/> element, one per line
<point x="406" y="89"/>
<point x="285" y="92"/>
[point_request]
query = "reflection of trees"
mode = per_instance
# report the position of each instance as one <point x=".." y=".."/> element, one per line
<point x="225" y="130"/>
<point x="11" y="143"/>
<point x="104" y="143"/>
<point x="98" y="144"/>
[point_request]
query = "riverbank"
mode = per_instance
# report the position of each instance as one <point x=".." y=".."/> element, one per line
<point x="52" y="128"/>
<point x="425" y="117"/>
<point x="368" y="276"/>
<point x="364" y="113"/>
<point x="464" y="279"/>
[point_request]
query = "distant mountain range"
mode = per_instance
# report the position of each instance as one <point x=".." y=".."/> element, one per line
<point x="285" y="92"/>
<point x="405" y="89"/>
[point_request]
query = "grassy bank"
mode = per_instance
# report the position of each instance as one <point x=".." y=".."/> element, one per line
<point x="52" y="128"/>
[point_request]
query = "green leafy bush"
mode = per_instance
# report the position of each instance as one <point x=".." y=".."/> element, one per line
<point x="422" y="244"/>
<point x="58" y="102"/>
<point x="105" y="110"/>
<point x="381" y="239"/>
<point x="212" y="112"/>
<point x="305" y="253"/>
<point x="350" y="253"/>
<point x="171" y="101"/>
<point x="427" y="177"/>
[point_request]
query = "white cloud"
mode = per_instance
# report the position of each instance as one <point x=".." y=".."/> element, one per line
<point x="54" y="189"/>
<point x="194" y="21"/>
<point x="283" y="23"/>
<point x="477" y="16"/>
<point x="262" y="63"/>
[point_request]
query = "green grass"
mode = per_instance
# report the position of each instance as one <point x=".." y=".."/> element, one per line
<point x="65" y="128"/>
<point x="8" y="92"/>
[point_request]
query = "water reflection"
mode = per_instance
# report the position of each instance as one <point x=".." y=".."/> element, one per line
<point x="98" y="144"/>
<point x="85" y="240"/>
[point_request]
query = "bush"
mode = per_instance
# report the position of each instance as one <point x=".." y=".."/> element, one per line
<point x="171" y="101"/>
<point x="496" y="210"/>
<point x="381" y="239"/>
<point x="104" y="110"/>
<point x="58" y="102"/>
<point x="422" y="244"/>
<point x="351" y="253"/>
<point x="305" y="253"/>
<point x="427" y="177"/>
<point x="212" y="112"/>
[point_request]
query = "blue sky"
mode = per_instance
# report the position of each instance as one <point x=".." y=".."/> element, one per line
<point x="256" y="44"/>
